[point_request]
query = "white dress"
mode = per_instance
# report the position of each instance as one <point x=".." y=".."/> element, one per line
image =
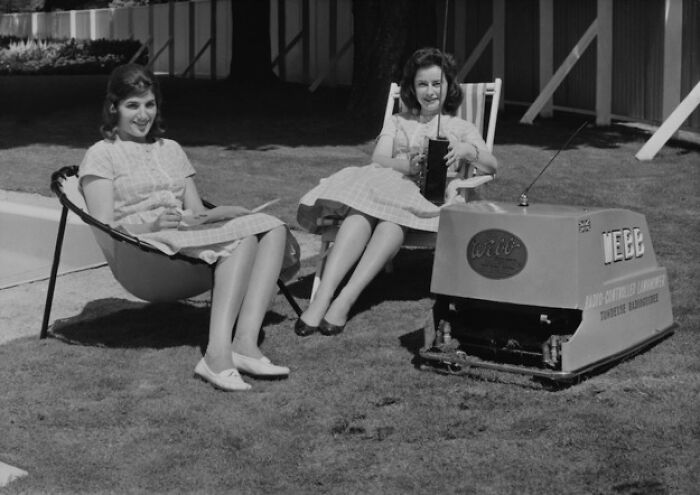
<point x="383" y="192"/>
<point x="149" y="178"/>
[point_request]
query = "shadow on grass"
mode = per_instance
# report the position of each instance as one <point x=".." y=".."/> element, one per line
<point x="551" y="134"/>
<point x="120" y="323"/>
<point x="65" y="110"/>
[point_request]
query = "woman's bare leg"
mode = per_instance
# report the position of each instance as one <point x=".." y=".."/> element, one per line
<point x="231" y="277"/>
<point x="261" y="288"/>
<point x="349" y="244"/>
<point x="382" y="247"/>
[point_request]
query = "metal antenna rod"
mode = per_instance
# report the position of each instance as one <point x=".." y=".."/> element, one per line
<point x="442" y="63"/>
<point x="523" y="196"/>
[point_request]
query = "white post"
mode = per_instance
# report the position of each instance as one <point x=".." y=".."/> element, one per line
<point x="546" y="51"/>
<point x="111" y="23"/>
<point x="673" y="39"/>
<point x="93" y="24"/>
<point x="35" y="24"/>
<point x="670" y="125"/>
<point x="72" y="24"/>
<point x="603" y="86"/>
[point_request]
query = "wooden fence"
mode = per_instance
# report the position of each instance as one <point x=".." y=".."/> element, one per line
<point x="625" y="59"/>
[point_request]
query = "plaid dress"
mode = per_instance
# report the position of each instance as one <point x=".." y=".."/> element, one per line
<point x="149" y="178"/>
<point x="382" y="192"/>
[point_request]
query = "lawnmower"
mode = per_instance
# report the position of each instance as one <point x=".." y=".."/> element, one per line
<point x="556" y="292"/>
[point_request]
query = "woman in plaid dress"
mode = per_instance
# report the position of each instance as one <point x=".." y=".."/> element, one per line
<point x="379" y="201"/>
<point x="144" y="184"/>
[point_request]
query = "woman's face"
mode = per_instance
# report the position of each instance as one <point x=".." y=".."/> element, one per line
<point x="136" y="116"/>
<point x="427" y="87"/>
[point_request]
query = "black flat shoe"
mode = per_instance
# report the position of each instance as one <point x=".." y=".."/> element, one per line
<point x="329" y="329"/>
<point x="302" y="329"/>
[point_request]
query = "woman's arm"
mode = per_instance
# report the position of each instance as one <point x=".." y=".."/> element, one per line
<point x="383" y="156"/>
<point x="192" y="201"/>
<point x="99" y="197"/>
<point x="200" y="214"/>
<point x="468" y="145"/>
<point x="478" y="156"/>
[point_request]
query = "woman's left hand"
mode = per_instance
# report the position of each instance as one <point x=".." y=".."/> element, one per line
<point x="460" y="151"/>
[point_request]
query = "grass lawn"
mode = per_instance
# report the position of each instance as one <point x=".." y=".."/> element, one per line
<point x="111" y="407"/>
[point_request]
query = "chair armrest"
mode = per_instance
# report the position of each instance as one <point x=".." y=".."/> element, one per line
<point x="456" y="190"/>
<point x="471" y="182"/>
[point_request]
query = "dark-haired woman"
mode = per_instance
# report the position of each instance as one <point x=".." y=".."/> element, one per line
<point x="379" y="201"/>
<point x="140" y="182"/>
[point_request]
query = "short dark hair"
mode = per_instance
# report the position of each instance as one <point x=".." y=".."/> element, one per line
<point x="428" y="57"/>
<point x="124" y="82"/>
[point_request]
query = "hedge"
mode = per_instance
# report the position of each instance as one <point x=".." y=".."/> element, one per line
<point x="22" y="56"/>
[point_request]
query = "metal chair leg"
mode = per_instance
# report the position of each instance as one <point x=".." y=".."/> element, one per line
<point x="290" y="298"/>
<point x="54" y="272"/>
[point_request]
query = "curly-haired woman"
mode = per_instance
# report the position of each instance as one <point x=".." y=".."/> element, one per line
<point x="378" y="202"/>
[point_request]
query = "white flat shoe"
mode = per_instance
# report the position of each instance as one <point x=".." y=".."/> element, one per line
<point x="258" y="367"/>
<point x="229" y="380"/>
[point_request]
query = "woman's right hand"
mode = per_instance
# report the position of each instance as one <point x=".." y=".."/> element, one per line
<point x="168" y="219"/>
<point x="415" y="163"/>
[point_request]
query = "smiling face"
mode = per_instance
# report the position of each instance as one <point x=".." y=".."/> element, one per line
<point x="427" y="87"/>
<point x="136" y="116"/>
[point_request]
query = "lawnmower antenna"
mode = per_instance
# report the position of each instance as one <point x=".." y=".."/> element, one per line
<point x="523" y="196"/>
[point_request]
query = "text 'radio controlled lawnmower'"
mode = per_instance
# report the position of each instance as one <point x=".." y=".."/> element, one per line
<point x="551" y="291"/>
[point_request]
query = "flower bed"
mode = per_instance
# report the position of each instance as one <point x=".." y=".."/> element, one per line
<point x="20" y="56"/>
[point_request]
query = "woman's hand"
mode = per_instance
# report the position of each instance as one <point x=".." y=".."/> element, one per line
<point x="230" y="211"/>
<point x="461" y="151"/>
<point x="216" y="214"/>
<point x="168" y="219"/>
<point x="415" y="163"/>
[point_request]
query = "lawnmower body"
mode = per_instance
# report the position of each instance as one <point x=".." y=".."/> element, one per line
<point x="567" y="289"/>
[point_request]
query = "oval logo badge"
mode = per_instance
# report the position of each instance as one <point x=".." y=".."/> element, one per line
<point x="496" y="254"/>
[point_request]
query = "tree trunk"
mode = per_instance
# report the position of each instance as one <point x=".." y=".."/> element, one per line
<point x="251" y="52"/>
<point x="386" y="32"/>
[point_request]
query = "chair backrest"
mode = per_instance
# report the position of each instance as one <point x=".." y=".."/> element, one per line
<point x="140" y="268"/>
<point x="473" y="108"/>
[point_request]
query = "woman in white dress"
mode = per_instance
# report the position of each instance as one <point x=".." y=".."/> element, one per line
<point x="378" y="202"/>
<point x="144" y="184"/>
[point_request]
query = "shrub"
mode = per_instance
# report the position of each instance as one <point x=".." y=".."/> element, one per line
<point x="19" y="56"/>
<point x="5" y="40"/>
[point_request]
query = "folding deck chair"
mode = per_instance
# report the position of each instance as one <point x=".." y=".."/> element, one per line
<point x="139" y="267"/>
<point x="473" y="109"/>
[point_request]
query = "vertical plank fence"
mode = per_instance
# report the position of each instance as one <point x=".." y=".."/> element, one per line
<point x="640" y="54"/>
<point x="161" y="29"/>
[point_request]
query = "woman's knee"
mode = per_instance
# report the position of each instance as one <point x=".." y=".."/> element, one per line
<point x="391" y="228"/>
<point x="250" y="242"/>
<point x="277" y="235"/>
<point x="359" y="214"/>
